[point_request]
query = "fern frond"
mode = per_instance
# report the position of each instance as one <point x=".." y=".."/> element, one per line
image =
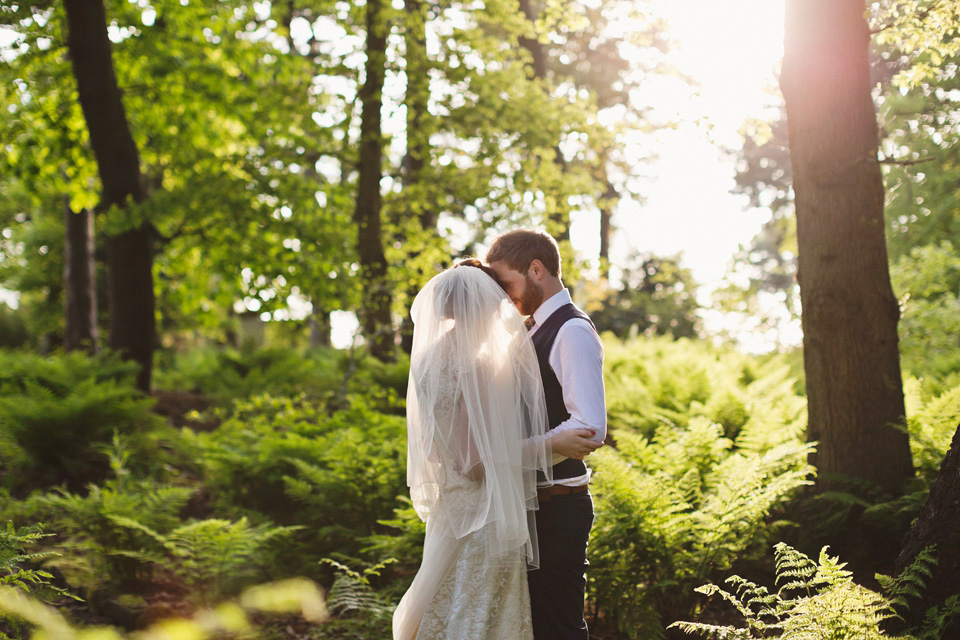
<point x="824" y="603"/>
<point x="938" y="619"/>
<point x="794" y="568"/>
<point x="711" y="589"/>
<point x="351" y="592"/>
<point x="912" y="580"/>
<point x="712" y="632"/>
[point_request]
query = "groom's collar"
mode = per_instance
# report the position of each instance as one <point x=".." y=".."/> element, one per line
<point x="550" y="305"/>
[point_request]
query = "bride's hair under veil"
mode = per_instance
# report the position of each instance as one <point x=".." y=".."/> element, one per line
<point x="475" y="409"/>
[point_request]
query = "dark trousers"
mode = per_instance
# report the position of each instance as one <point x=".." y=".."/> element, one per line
<point x="558" y="587"/>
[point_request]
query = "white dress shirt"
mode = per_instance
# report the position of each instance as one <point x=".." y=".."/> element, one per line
<point x="576" y="358"/>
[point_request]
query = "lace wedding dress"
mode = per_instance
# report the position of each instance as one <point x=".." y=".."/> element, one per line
<point x="479" y="598"/>
<point x="472" y="406"/>
<point x="479" y="601"/>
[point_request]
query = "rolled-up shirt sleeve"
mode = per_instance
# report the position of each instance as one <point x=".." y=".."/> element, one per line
<point x="577" y="360"/>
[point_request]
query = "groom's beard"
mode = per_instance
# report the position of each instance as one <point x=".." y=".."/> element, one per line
<point x="532" y="297"/>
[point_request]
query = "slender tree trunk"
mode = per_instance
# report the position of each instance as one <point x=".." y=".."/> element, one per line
<point x="132" y="303"/>
<point x="320" y="328"/>
<point x="607" y="201"/>
<point x="854" y="391"/>
<point x="416" y="101"/>
<point x="560" y="219"/>
<point x="418" y="138"/>
<point x="129" y="254"/>
<point x="605" y="232"/>
<point x="375" y="311"/>
<point x="79" y="282"/>
<point x="538" y="54"/>
<point x="938" y="524"/>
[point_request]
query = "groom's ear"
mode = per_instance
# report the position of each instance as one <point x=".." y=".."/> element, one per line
<point x="536" y="269"/>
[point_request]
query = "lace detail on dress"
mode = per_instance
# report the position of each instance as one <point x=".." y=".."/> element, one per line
<point x="479" y="600"/>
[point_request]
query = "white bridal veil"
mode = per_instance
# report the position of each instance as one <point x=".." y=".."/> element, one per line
<point x="476" y="421"/>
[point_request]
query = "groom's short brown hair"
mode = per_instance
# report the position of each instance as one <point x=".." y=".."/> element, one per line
<point x="520" y="247"/>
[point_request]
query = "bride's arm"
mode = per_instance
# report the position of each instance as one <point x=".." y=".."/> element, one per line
<point x="468" y="463"/>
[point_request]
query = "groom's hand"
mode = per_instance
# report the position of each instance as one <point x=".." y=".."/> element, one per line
<point x="574" y="443"/>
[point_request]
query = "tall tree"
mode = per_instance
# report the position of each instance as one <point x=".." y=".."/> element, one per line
<point x="130" y="252"/>
<point x="418" y="211"/>
<point x="849" y="316"/>
<point x="224" y="128"/>
<point x="376" y="301"/>
<point x="530" y="40"/>
<point x="590" y="51"/>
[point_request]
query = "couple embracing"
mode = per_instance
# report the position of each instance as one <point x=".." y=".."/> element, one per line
<point x="501" y="411"/>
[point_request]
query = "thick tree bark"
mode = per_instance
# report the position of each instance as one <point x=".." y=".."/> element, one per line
<point x="938" y="524"/>
<point x="850" y="314"/>
<point x="129" y="254"/>
<point x="79" y="282"/>
<point x="418" y="139"/>
<point x="376" y="297"/>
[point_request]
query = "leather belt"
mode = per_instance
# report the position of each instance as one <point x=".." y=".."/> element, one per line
<point x="545" y="493"/>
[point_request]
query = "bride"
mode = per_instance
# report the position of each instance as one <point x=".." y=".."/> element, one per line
<point x="476" y="421"/>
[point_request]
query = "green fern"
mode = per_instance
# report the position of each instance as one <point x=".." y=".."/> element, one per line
<point x="352" y="594"/>
<point x="815" y="599"/>
<point x="658" y="534"/>
<point x="14" y="557"/>
<point x="99" y="549"/>
<point x="17" y="568"/>
<point x="912" y="581"/>
<point x="911" y="584"/>
<point x="210" y="555"/>
<point x="938" y="618"/>
<point x="339" y="473"/>
<point x="56" y="412"/>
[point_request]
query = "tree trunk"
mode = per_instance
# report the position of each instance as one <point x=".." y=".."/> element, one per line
<point x="418" y="139"/>
<point x="607" y="202"/>
<point x="559" y="219"/>
<point x="320" y="328"/>
<point x="376" y="297"/>
<point x="854" y="390"/>
<point x="129" y="254"/>
<point x="538" y="54"/>
<point x="938" y="524"/>
<point x="79" y="282"/>
<point x="132" y="304"/>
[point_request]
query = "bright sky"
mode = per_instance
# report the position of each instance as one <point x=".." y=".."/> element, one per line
<point x="731" y="50"/>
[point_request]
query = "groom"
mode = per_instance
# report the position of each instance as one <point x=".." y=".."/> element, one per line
<point x="571" y="366"/>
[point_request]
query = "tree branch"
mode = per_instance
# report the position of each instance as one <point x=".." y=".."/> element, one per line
<point x="905" y="163"/>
